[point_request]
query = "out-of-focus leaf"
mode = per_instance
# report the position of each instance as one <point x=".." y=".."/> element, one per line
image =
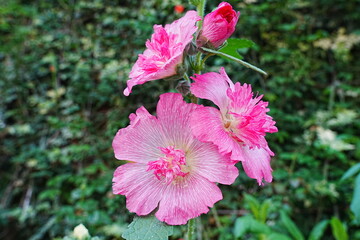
<point x="351" y="172"/>
<point x="254" y="205"/>
<point x="242" y="225"/>
<point x="338" y="229"/>
<point x="355" y="203"/>
<point x="263" y="212"/>
<point x="249" y="224"/>
<point x="148" y="227"/>
<point x="291" y="226"/>
<point x="277" y="236"/>
<point x="318" y="230"/>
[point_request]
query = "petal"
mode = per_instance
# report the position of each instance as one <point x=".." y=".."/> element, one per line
<point x="209" y="163"/>
<point x="142" y="189"/>
<point x="139" y="142"/>
<point x="256" y="164"/>
<point x="212" y="86"/>
<point x="207" y="126"/>
<point x="184" y="28"/>
<point x="182" y="202"/>
<point x="173" y="114"/>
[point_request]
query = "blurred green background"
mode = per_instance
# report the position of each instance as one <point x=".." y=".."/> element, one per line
<point x="64" y="65"/>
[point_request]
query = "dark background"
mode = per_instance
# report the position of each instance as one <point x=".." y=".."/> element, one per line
<point x="64" y="65"/>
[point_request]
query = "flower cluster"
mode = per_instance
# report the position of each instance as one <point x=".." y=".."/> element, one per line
<point x="176" y="158"/>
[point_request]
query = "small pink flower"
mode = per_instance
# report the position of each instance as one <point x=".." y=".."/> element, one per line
<point x="218" y="26"/>
<point x="239" y="128"/>
<point x="164" y="53"/>
<point x="169" y="168"/>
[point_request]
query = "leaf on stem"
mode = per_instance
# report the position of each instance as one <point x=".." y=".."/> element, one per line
<point x="234" y="44"/>
<point x="246" y="64"/>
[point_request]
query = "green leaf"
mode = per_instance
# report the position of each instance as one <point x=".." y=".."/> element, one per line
<point x="254" y="205"/>
<point x="351" y="171"/>
<point x="277" y="236"/>
<point x="291" y="226"/>
<point x="249" y="224"/>
<point x="264" y="211"/>
<point x="233" y="44"/>
<point x="338" y="229"/>
<point x="355" y="203"/>
<point x="235" y="59"/>
<point x="242" y="225"/>
<point x="318" y="230"/>
<point x="148" y="227"/>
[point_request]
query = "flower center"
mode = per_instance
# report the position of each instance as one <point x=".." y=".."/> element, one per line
<point x="170" y="166"/>
<point x="231" y="125"/>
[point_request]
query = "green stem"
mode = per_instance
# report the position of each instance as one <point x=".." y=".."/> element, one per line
<point x="248" y="65"/>
<point x="186" y="77"/>
<point x="201" y="10"/>
<point x="191" y="229"/>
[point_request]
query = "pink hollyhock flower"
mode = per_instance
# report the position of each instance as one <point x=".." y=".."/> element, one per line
<point x="218" y="26"/>
<point x="239" y="127"/>
<point x="169" y="170"/>
<point x="164" y="53"/>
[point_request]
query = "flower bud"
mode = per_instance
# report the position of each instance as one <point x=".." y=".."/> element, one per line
<point x="218" y="26"/>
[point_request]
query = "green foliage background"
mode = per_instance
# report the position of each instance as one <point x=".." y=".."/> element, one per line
<point x="64" y="65"/>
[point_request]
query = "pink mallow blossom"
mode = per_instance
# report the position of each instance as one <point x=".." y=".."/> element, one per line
<point x="239" y="127"/>
<point x="218" y="26"/>
<point x="164" y="53"/>
<point x="169" y="169"/>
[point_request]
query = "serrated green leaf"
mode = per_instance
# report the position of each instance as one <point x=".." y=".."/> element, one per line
<point x="351" y="171"/>
<point x="338" y="229"/>
<point x="148" y="227"/>
<point x="318" y="230"/>
<point x="355" y="206"/>
<point x="233" y="44"/>
<point x="291" y="226"/>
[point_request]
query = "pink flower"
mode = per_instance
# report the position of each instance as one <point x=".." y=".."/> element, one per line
<point x="169" y="168"/>
<point x="164" y="53"/>
<point x="239" y="127"/>
<point x="218" y="26"/>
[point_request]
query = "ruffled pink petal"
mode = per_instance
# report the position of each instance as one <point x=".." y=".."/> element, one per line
<point x="164" y="51"/>
<point x="256" y="164"/>
<point x="184" y="28"/>
<point x="209" y="163"/>
<point x="187" y="200"/>
<point x="142" y="189"/>
<point x="207" y="126"/>
<point x="212" y="86"/>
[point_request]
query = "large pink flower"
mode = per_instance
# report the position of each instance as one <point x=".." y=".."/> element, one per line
<point x="164" y="53"/>
<point x="170" y="169"/>
<point x="218" y="26"/>
<point x="239" y="127"/>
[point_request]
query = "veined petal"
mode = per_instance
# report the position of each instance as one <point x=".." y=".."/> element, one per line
<point x="256" y="164"/>
<point x="209" y="163"/>
<point x="187" y="200"/>
<point x="212" y="86"/>
<point x="142" y="189"/>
